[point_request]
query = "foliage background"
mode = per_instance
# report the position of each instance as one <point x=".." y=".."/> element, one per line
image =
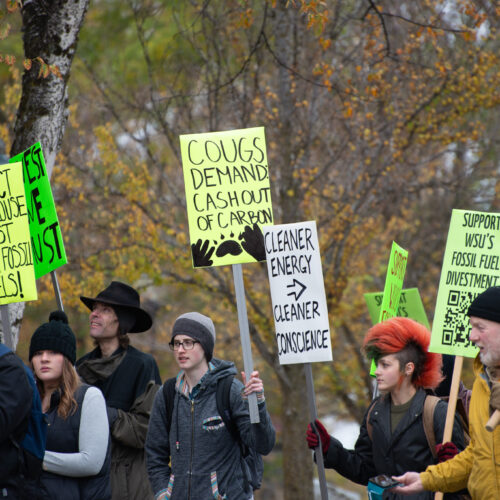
<point x="380" y="118"/>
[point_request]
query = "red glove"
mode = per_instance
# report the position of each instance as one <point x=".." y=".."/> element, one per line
<point x="446" y="451"/>
<point x="312" y="437"/>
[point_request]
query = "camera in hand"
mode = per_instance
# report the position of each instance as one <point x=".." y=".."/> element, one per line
<point x="384" y="481"/>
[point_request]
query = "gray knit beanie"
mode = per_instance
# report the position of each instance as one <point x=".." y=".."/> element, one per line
<point x="198" y="327"/>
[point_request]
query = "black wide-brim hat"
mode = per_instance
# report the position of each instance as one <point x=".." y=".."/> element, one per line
<point x="125" y="297"/>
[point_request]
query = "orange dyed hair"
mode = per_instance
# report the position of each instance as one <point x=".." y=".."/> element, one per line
<point x="409" y="341"/>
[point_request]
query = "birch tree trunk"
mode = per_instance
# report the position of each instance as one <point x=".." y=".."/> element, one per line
<point x="297" y="460"/>
<point x="50" y="32"/>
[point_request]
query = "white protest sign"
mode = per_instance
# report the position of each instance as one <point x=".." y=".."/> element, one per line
<point x="297" y="293"/>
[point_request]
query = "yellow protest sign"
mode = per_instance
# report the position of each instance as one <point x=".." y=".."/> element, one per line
<point x="471" y="264"/>
<point x="393" y="286"/>
<point x="393" y="282"/>
<point x="46" y="239"/>
<point x="17" y="273"/>
<point x="228" y="196"/>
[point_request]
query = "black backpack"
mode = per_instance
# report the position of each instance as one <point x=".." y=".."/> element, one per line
<point x="32" y="447"/>
<point x="252" y="464"/>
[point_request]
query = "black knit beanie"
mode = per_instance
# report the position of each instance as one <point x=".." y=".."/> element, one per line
<point x="198" y="327"/>
<point x="486" y="305"/>
<point x="56" y="335"/>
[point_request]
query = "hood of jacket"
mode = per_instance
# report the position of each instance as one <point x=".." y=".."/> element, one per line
<point x="221" y="369"/>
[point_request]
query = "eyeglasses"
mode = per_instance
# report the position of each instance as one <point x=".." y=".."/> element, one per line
<point x="186" y="344"/>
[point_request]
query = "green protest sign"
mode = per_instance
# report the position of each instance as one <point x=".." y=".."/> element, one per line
<point x="228" y="196"/>
<point x="471" y="264"/>
<point x="393" y="286"/>
<point x="410" y="306"/>
<point x="17" y="276"/>
<point x="393" y="282"/>
<point x="46" y="239"/>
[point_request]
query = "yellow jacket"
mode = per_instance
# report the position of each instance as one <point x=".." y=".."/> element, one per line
<point x="478" y="466"/>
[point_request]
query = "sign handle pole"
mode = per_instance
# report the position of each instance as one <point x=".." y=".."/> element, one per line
<point x="57" y="291"/>
<point x="7" y="333"/>
<point x="312" y="411"/>
<point x="452" y="404"/>
<point x="241" y="305"/>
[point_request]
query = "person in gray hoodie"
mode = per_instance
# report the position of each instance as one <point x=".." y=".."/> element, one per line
<point x="199" y="459"/>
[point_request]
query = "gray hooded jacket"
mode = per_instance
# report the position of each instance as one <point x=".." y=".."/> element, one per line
<point x="205" y="460"/>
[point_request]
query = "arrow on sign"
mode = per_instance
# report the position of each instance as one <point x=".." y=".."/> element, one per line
<point x="301" y="291"/>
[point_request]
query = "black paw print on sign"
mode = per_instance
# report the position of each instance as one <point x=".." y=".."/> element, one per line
<point x="231" y="247"/>
<point x="252" y="241"/>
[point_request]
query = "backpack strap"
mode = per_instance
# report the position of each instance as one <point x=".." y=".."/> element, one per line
<point x="428" y="421"/>
<point x="223" y="399"/>
<point x="169" y="396"/>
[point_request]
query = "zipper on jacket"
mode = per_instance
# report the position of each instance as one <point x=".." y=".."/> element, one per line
<point x="192" y="450"/>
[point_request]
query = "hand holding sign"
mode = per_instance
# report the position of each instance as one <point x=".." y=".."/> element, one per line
<point x="312" y="433"/>
<point x="253" y="385"/>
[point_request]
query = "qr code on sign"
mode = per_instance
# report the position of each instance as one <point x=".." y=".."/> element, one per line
<point x="456" y="325"/>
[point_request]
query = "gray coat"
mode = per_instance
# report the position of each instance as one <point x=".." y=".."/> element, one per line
<point x="205" y="460"/>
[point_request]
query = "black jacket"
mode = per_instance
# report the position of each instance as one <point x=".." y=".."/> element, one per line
<point x="129" y="389"/>
<point x="15" y="405"/>
<point x="405" y="450"/>
<point x="128" y="381"/>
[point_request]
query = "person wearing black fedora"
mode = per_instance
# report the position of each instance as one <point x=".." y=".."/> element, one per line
<point x="129" y="380"/>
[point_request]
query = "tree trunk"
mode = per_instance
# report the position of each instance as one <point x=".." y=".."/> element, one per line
<point x="297" y="459"/>
<point x="51" y="30"/>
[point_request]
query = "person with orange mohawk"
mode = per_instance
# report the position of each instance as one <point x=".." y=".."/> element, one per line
<point x="392" y="438"/>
